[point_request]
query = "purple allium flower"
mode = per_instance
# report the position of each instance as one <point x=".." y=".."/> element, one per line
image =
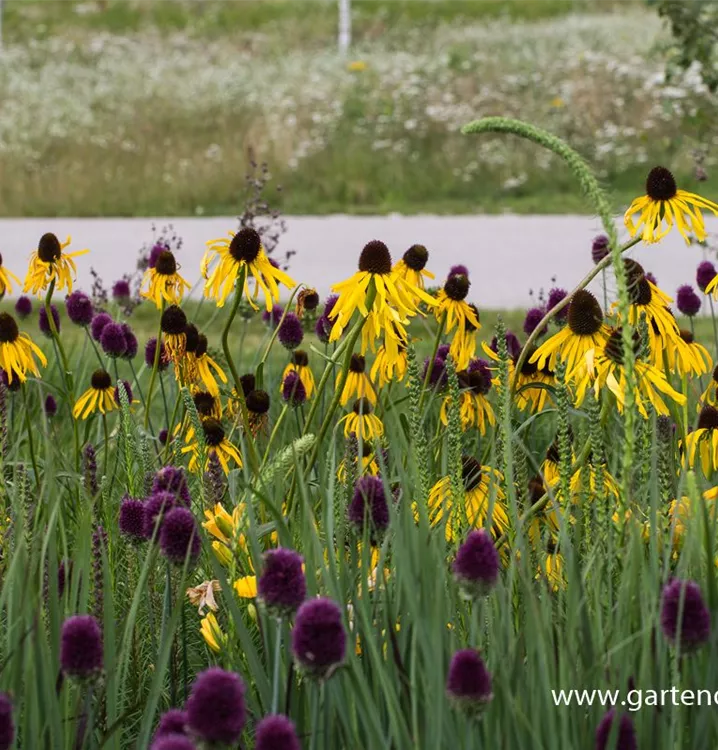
<point x="624" y="738"/>
<point x="705" y="273"/>
<point x="687" y="301"/>
<point x="98" y="325"/>
<point x="329" y="305"/>
<point x="276" y="732"/>
<point x="438" y="377"/>
<point x="599" y="249"/>
<point x="23" y="307"/>
<point x="293" y="390"/>
<point x="150" y="349"/>
<point x="513" y="345"/>
<point x="684" y="599"/>
<point x="319" y="640"/>
<point x="163" y="435"/>
<point x="157" y="505"/>
<point x="113" y="340"/>
<point x="44" y="321"/>
<point x="179" y="536"/>
<point x="443" y="351"/>
<point x="173" y="742"/>
<point x="532" y="319"/>
<point x="369" y="504"/>
<point x="290" y="331"/>
<point x="7" y="725"/>
<point x="282" y="586"/>
<point x="323" y="329"/>
<point x="215" y="708"/>
<point x="121" y="290"/>
<point x="50" y="405"/>
<point x="157" y="249"/>
<point x="128" y="391"/>
<point x="476" y="566"/>
<point x="131" y="344"/>
<point x="132" y="519"/>
<point x="81" y="646"/>
<point x="172" y="479"/>
<point x="272" y="317"/>
<point x="79" y="308"/>
<point x="458" y="270"/>
<point x="173" y="721"/>
<point x="469" y="682"/>
<point x="555" y="296"/>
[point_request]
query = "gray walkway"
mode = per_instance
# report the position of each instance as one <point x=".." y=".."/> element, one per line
<point x="507" y="255"/>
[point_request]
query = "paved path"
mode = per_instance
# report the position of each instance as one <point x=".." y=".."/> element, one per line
<point x="507" y="255"/>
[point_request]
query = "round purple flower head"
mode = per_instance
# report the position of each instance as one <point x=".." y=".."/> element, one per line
<point x="112" y="340"/>
<point x="623" y="739"/>
<point x="23" y="307"/>
<point x="179" y="536"/>
<point x="438" y="377"/>
<point x="469" y="682"/>
<point x="319" y="640"/>
<point x="705" y="273"/>
<point x="599" y="248"/>
<point x="215" y="708"/>
<point x="476" y="566"/>
<point x="513" y="345"/>
<point x="97" y="326"/>
<point x="7" y="725"/>
<point x="276" y="732"/>
<point x="458" y="270"/>
<point x="368" y="504"/>
<point x="323" y="329"/>
<point x="293" y="390"/>
<point x="44" y="321"/>
<point x="282" y="586"/>
<point x="532" y="319"/>
<point x="132" y="519"/>
<point x="50" y="405"/>
<point x="443" y="351"/>
<point x="79" y="308"/>
<point x="121" y="290"/>
<point x="555" y="296"/>
<point x="157" y="249"/>
<point x="173" y="721"/>
<point x="272" y="317"/>
<point x="157" y="505"/>
<point x="81" y="646"/>
<point x="290" y="331"/>
<point x="172" y="479"/>
<point x="128" y="391"/>
<point x="131" y="344"/>
<point x="329" y="305"/>
<point x="163" y="435"/>
<point x="173" y="742"/>
<point x="684" y="599"/>
<point x="150" y="349"/>
<point x="687" y="301"/>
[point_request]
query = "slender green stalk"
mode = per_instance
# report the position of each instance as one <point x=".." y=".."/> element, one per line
<point x="30" y="441"/>
<point x="277" y="665"/>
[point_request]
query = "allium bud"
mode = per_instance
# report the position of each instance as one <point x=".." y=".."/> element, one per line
<point x="216" y="709"/>
<point x="685" y="619"/>
<point x="81" y="647"/>
<point x="282" y="586"/>
<point x="468" y="683"/>
<point x="318" y="637"/>
<point x="477" y="564"/>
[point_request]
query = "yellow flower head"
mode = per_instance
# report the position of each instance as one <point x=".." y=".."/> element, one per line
<point x="206" y="368"/>
<point x="474" y="407"/>
<point x="358" y="384"/>
<point x="369" y="463"/>
<point x="242" y="250"/>
<point x="687" y="356"/>
<point x="99" y="396"/>
<point x="663" y="205"/>
<point x="17" y="351"/>
<point x="551" y="568"/>
<point x="174" y="332"/>
<point x="463" y="344"/>
<point x="385" y="370"/>
<point x="164" y="284"/>
<point x="362" y="422"/>
<point x="452" y="306"/>
<point x="5" y="276"/>
<point x="216" y="443"/>
<point x="703" y="442"/>
<point x="300" y="364"/>
<point x="212" y="633"/>
<point x="246" y="587"/>
<point x="412" y="266"/>
<point x="49" y="263"/>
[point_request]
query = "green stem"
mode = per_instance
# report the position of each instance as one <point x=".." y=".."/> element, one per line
<point x="29" y="433"/>
<point x="275" y="430"/>
<point x="277" y="665"/>
<point x="155" y="365"/>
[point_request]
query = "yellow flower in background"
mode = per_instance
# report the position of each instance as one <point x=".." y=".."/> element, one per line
<point x="216" y="442"/>
<point x="686" y="356"/>
<point x="212" y="633"/>
<point x="242" y="250"/>
<point x="664" y="205"/>
<point x="362" y="422"/>
<point x="369" y="463"/>
<point x="580" y="484"/>
<point x="300" y="365"/>
<point x="451" y="304"/>
<point x="703" y="441"/>
<point x="412" y="266"/>
<point x="207" y="368"/>
<point x="385" y="370"/>
<point x="164" y="284"/>
<point x="474" y="408"/>
<point x="50" y="263"/>
<point x="463" y="344"/>
<point x="17" y="351"/>
<point x="358" y="384"/>
<point x="246" y="587"/>
<point x="356" y="66"/>
<point x="99" y="396"/>
<point x="5" y="277"/>
<point x="551" y="568"/>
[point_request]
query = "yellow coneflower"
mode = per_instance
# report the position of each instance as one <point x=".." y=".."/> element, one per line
<point x="579" y="482"/>
<point x="605" y="370"/>
<point x="242" y="250"/>
<point x="687" y="356"/>
<point x="703" y="441"/>
<point x="5" y="276"/>
<point x="205" y="365"/>
<point x="681" y="514"/>
<point x="212" y="633"/>
<point x="551" y="466"/>
<point x="300" y="364"/>
<point x="385" y="370"/>
<point x="585" y="330"/>
<point x="17" y="351"/>
<point x="183" y="349"/>
<point x="369" y="463"/>
<point x="206" y="405"/>
<point x="474" y="407"/>
<point x="247" y="383"/>
<point x="463" y="344"/>
<point x="472" y="511"/>
<point x="452" y="306"/>
<point x="258" y="403"/>
<point x="533" y="386"/>
<point x="164" y="284"/>
<point x="307" y="299"/>
<point x="49" y="263"/>
<point x="362" y="422"/>
<point x="663" y="205"/>
<point x="395" y="301"/>
<point x="710" y="395"/>
<point x="174" y="333"/>
<point x="551" y="567"/>
<point x="358" y="384"/>
<point x="412" y="266"/>
<point x="216" y="443"/>
<point x="99" y="396"/>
